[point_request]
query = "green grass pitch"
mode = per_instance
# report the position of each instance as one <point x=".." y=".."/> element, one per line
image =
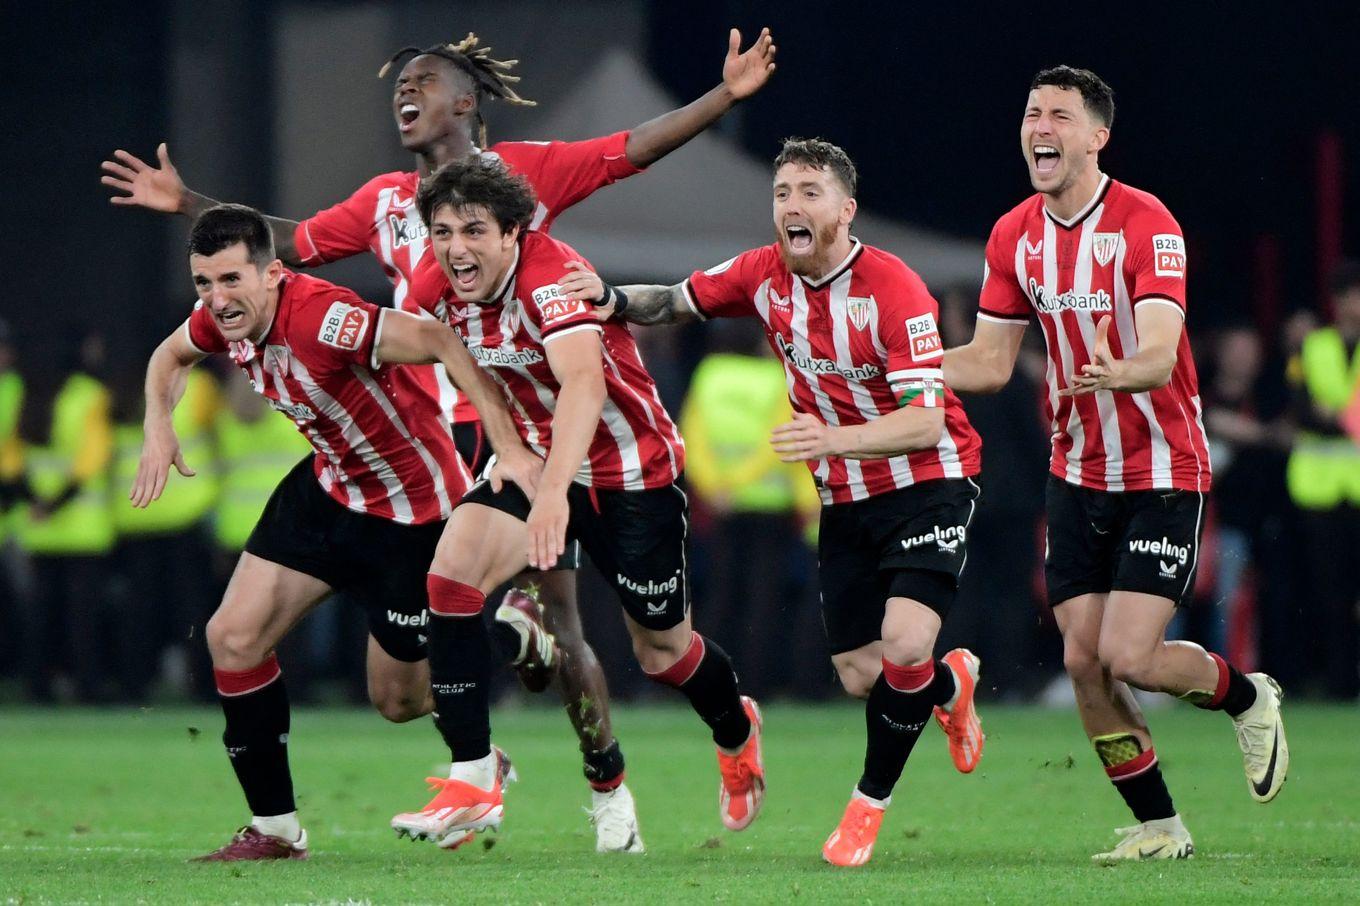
<point x="106" y="807"/>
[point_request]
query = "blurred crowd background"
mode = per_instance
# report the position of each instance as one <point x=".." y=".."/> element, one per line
<point x="1244" y="129"/>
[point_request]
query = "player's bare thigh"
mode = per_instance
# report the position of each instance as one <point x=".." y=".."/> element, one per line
<point x="400" y="690"/>
<point x="1079" y="621"/>
<point x="908" y="636"/>
<point x="482" y="547"/>
<point x="263" y="601"/>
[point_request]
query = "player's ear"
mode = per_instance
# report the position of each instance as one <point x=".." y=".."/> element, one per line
<point x="848" y="209"/>
<point x="273" y="274"/>
<point x="509" y="237"/>
<point x="1100" y="139"/>
<point x="465" y="104"/>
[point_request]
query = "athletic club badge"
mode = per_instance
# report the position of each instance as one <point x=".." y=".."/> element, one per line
<point x="1103" y="246"/>
<point x="861" y="310"/>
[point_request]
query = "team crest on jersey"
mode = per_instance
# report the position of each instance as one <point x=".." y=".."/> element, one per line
<point x="924" y="337"/>
<point x="276" y="359"/>
<point x="510" y="319"/>
<point x="1103" y="247"/>
<point x="344" y="326"/>
<point x="861" y="310"/>
<point x="1168" y="252"/>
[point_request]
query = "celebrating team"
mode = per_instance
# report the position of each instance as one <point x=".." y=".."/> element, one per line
<point x="585" y="455"/>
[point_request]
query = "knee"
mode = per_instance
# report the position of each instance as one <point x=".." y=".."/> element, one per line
<point x="400" y="705"/>
<point x="1126" y="665"/>
<point x="857" y="675"/>
<point x="1082" y="664"/>
<point x="656" y="652"/>
<point x="233" y="647"/>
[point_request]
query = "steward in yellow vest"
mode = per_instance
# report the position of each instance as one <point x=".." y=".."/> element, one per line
<point x="1324" y="467"/>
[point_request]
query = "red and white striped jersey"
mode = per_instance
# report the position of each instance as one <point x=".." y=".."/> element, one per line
<point x="857" y="344"/>
<point x="636" y="446"/>
<point x="381" y="217"/>
<point x="382" y="447"/>
<point x="1123" y="250"/>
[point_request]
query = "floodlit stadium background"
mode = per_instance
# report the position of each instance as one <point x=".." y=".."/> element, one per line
<point x="1244" y="126"/>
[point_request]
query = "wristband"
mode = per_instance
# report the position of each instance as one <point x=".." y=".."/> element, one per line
<point x="613" y="295"/>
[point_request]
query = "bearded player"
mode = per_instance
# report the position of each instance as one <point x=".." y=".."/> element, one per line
<point x="889" y="447"/>
<point x="582" y="399"/>
<point x="1102" y="267"/>
<point x="438" y="100"/>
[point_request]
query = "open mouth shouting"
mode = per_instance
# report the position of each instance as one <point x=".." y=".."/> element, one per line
<point x="230" y="319"/>
<point x="464" y="276"/>
<point x="1046" y="158"/>
<point x="799" y="239"/>
<point x="407" y="114"/>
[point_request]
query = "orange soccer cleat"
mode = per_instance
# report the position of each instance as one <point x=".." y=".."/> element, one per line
<point x="457" y="811"/>
<point x="960" y="722"/>
<point x="742" y="789"/>
<point x="852" y="842"/>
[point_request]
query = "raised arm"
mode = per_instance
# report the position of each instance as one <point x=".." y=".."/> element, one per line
<point x="986" y="362"/>
<point x="637" y="303"/>
<point x="743" y="75"/>
<point x="162" y="189"/>
<point x="166" y="376"/>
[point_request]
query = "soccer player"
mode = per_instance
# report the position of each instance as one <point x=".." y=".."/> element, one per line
<point x="438" y="100"/>
<point x="582" y="399"/>
<point x="364" y="513"/>
<point x="889" y="447"/>
<point x="1102" y="267"/>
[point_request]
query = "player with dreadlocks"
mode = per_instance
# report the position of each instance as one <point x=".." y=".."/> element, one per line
<point x="437" y="103"/>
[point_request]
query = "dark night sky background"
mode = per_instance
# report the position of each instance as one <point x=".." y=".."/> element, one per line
<point x="1219" y="111"/>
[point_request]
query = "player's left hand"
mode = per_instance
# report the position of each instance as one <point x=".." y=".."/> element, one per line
<point x="522" y="467"/>
<point x="746" y="73"/>
<point x="581" y="284"/>
<point x="804" y="438"/>
<point x="1104" y="370"/>
<point x="547" y="524"/>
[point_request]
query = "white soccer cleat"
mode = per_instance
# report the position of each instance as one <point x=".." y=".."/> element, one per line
<point x="1163" y="839"/>
<point x="1260" y="736"/>
<point x="615" y="818"/>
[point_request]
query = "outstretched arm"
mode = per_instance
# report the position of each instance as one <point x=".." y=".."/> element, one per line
<point x="743" y="75"/>
<point x="1159" y="334"/>
<point x="166" y="376"/>
<point x="638" y="303"/>
<point x="985" y="363"/>
<point x="907" y="429"/>
<point x="161" y="189"/>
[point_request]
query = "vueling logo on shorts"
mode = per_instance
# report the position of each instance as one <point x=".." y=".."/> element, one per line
<point x="947" y="539"/>
<point x="1179" y="554"/>
<point x="408" y="619"/>
<point x="651" y="586"/>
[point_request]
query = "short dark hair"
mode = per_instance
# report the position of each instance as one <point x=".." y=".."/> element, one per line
<point x="225" y="225"/>
<point x="1345" y="277"/>
<point x="1097" y="97"/>
<point x="820" y="155"/>
<point x="479" y="182"/>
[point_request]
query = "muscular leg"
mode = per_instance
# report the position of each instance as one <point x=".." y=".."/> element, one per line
<point x="400" y="690"/>
<point x="702" y="671"/>
<point x="1133" y="647"/>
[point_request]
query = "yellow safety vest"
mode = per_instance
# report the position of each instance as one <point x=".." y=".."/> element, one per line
<point x="11" y="450"/>
<point x="185" y="501"/>
<point x="734" y="402"/>
<point x="1324" y="471"/>
<point x="80" y="447"/>
<point x="255" y="456"/>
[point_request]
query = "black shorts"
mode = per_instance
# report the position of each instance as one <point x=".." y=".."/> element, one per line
<point x="473" y="446"/>
<point x="377" y="562"/>
<point x="911" y="543"/>
<point x="1102" y="541"/>
<point x="639" y="541"/>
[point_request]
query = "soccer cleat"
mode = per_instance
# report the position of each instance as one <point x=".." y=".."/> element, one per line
<point x="1260" y="736"/>
<point x="852" y="842"/>
<point x="961" y="722"/>
<point x="457" y="811"/>
<point x="615" y="818"/>
<point x="742" y="788"/>
<point x="537" y="657"/>
<point x="1164" y="839"/>
<point x="250" y="845"/>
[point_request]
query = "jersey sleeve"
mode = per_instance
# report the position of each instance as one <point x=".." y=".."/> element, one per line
<point x="339" y="231"/>
<point x="1154" y="263"/>
<point x="726" y="290"/>
<point x="341" y="329"/>
<point x="202" y="332"/>
<point x="563" y="173"/>
<point x="554" y="313"/>
<point x="1002" y="298"/>
<point x="909" y="330"/>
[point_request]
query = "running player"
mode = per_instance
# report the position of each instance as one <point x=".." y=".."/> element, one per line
<point x="1102" y="266"/>
<point x="582" y="399"/>
<point x="365" y="512"/>
<point x="889" y="447"/>
<point x="439" y="98"/>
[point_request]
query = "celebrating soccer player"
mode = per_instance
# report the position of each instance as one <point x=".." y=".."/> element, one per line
<point x="364" y="513"/>
<point x="439" y="99"/>
<point x="1102" y="266"/>
<point x="583" y="400"/>
<point x="889" y="447"/>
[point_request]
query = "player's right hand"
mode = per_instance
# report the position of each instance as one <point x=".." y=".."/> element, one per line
<point x="581" y="284"/>
<point x="159" y="189"/>
<point x="522" y="467"/>
<point x="160" y="450"/>
<point x="547" y="524"/>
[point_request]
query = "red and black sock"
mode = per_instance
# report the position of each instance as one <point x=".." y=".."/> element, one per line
<point x="604" y="768"/>
<point x="1234" y="693"/>
<point x="1139" y="781"/>
<point x="255" y="703"/>
<point x="704" y="674"/>
<point x="460" y="667"/>
<point x="898" y="708"/>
